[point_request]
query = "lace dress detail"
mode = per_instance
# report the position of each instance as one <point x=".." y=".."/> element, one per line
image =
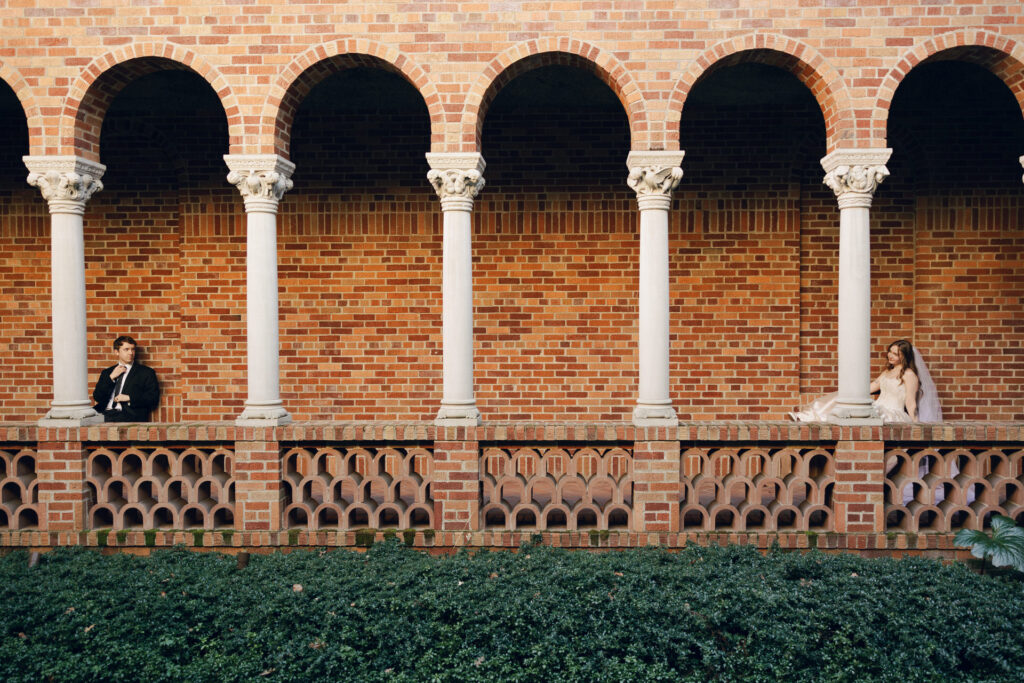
<point x="891" y="403"/>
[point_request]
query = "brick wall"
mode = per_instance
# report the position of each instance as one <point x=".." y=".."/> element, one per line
<point x="754" y="234"/>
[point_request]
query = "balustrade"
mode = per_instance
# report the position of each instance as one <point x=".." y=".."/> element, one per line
<point x="745" y="480"/>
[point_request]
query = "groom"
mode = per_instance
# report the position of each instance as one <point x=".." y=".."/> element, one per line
<point x="128" y="391"/>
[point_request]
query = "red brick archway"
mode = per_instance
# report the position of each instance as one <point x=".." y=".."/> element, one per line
<point x="312" y="66"/>
<point x="1001" y="56"/>
<point x="530" y="55"/>
<point x="99" y="83"/>
<point x="825" y="83"/>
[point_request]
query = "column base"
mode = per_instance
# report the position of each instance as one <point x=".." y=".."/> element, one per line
<point x="855" y="421"/>
<point x="458" y="415"/>
<point x="263" y="416"/>
<point x="854" y="414"/>
<point x="70" y="416"/>
<point x="647" y="415"/>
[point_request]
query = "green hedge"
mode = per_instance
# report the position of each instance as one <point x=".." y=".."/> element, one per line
<point x="392" y="613"/>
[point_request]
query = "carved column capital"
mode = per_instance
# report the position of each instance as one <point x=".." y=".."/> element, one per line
<point x="456" y="183"/>
<point x="855" y="174"/>
<point x="66" y="182"/>
<point x="262" y="179"/>
<point x="457" y="178"/>
<point x="653" y="176"/>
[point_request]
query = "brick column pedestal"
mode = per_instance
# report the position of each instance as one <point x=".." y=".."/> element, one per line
<point x="258" y="491"/>
<point x="656" y="486"/>
<point x="456" y="487"/>
<point x="60" y="471"/>
<point x="860" y="487"/>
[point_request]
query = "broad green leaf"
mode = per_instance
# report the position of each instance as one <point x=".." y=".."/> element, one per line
<point x="1004" y="547"/>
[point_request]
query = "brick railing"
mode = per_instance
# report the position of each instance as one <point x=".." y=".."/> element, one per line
<point x="865" y="488"/>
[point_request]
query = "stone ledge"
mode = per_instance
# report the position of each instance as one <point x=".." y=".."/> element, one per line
<point x="384" y="431"/>
<point x="135" y="541"/>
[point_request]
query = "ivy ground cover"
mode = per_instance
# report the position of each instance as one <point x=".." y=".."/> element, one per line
<point x="540" y="614"/>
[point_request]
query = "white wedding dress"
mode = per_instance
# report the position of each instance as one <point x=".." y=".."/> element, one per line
<point x="891" y="404"/>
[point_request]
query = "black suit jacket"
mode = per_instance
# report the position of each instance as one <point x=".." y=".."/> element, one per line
<point x="140" y="385"/>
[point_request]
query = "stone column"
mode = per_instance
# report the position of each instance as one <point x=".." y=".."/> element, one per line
<point x="262" y="179"/>
<point x="457" y="178"/>
<point x="854" y="175"/>
<point x="653" y="176"/>
<point x="67" y="183"/>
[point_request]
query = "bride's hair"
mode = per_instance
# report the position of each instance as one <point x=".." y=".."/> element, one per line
<point x="906" y="351"/>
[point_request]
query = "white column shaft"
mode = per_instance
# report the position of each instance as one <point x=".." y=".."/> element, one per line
<point x="262" y="179"/>
<point x="67" y="285"/>
<point x="457" y="314"/>
<point x="457" y="178"/>
<point x="261" y="309"/>
<point x="854" y="175"/>
<point x="654" y="309"/>
<point x="854" y="350"/>
<point x="653" y="175"/>
<point x="67" y="183"/>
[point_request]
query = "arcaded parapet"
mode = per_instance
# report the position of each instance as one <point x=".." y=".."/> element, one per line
<point x="19" y="493"/>
<point x="947" y="488"/>
<point x="757" y="487"/>
<point x="353" y="487"/>
<point x="556" y="487"/>
<point x="160" y="487"/>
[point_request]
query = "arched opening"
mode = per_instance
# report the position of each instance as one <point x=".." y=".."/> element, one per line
<point x="223" y="518"/>
<point x="297" y="518"/>
<point x="693" y="519"/>
<point x="556" y="519"/>
<point x="585" y="519"/>
<point x="327" y="518"/>
<point x="28" y="518"/>
<point x="494" y="518"/>
<point x="132" y="518"/>
<point x="555" y="234"/>
<point x="363" y="208"/>
<point x="526" y="519"/>
<point x="618" y="519"/>
<point x="193" y="518"/>
<point x="753" y="134"/>
<point x="357" y="518"/>
<point x="24" y="260"/>
<point x="101" y="518"/>
<point x="955" y="201"/>
<point x="163" y="518"/>
<point x="160" y="229"/>
<point x="419" y="518"/>
<point x="388" y="517"/>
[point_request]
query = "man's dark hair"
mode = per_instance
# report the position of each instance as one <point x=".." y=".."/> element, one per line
<point x="123" y="339"/>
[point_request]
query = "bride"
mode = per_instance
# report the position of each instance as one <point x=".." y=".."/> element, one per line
<point x="906" y="392"/>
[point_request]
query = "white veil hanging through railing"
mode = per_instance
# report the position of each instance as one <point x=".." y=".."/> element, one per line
<point x="928" y="407"/>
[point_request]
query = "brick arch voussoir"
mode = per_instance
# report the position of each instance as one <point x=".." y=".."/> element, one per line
<point x="272" y="135"/>
<point x="81" y="137"/>
<point x="33" y="117"/>
<point x="1009" y="68"/>
<point x="525" y="56"/>
<point x="824" y="81"/>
